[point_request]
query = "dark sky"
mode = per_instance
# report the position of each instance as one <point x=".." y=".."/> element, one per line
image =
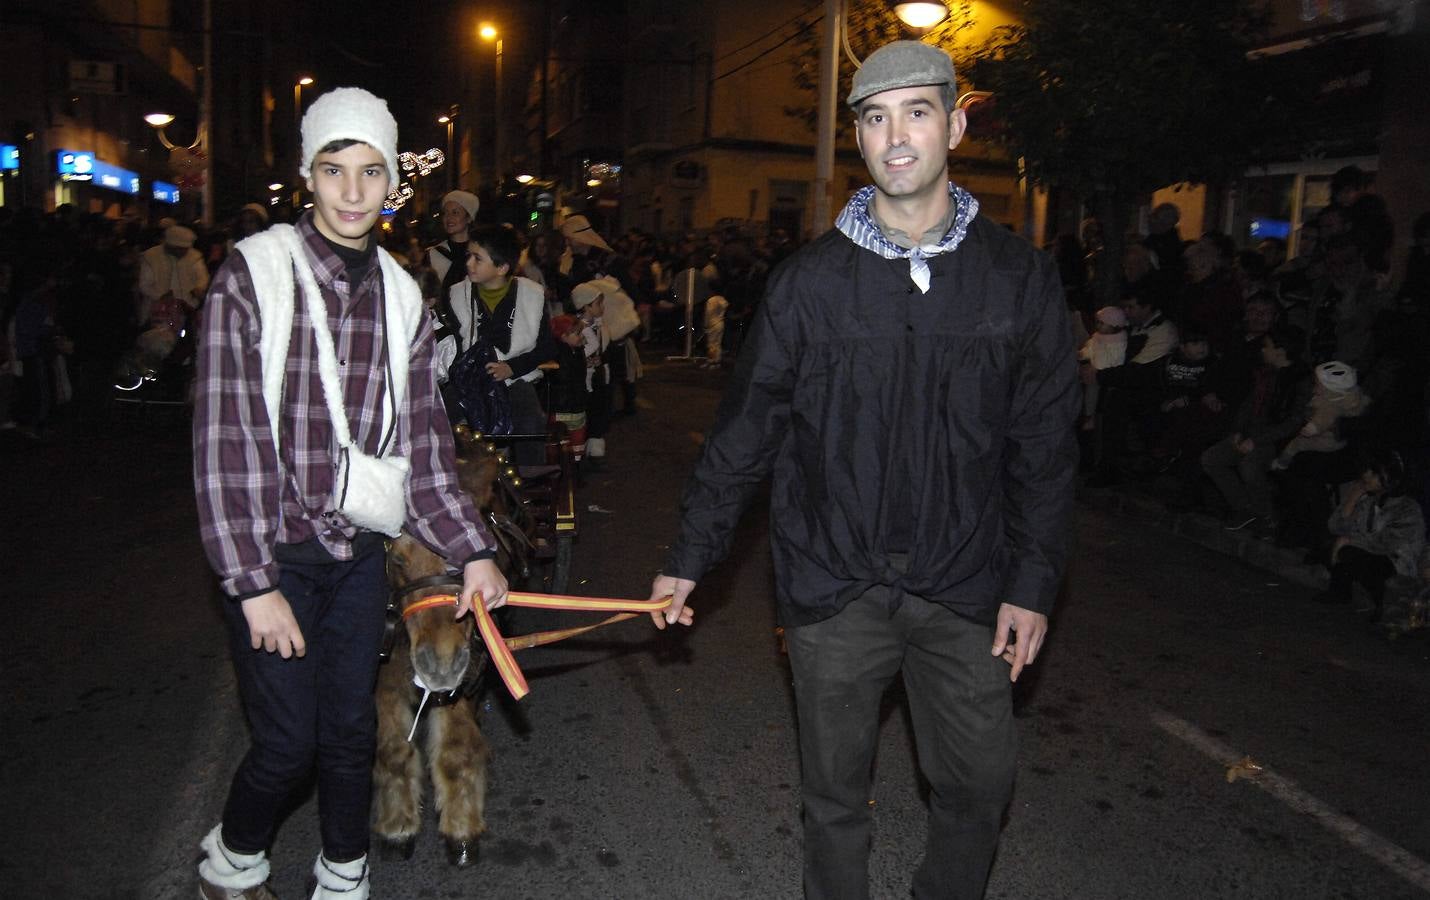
<point x="418" y="60"/>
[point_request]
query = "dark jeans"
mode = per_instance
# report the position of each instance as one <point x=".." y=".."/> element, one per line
<point x="317" y="709"/>
<point x="1244" y="479"/>
<point x="1306" y="492"/>
<point x="961" y="702"/>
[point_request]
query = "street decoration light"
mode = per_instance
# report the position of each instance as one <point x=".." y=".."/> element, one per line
<point x="922" y="16"/>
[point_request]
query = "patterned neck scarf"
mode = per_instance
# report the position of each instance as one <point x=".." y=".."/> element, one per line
<point x="857" y="224"/>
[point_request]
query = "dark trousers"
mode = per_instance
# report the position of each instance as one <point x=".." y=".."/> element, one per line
<point x="961" y="702"/>
<point x="1306" y="493"/>
<point x="1244" y="479"/>
<point x="1356" y="566"/>
<point x="314" y="710"/>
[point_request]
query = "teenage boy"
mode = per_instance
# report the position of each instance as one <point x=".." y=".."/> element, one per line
<point x="306" y="588"/>
<point x="910" y="382"/>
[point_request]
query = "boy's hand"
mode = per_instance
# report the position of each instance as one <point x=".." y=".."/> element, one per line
<point x="481" y="577"/>
<point x="271" y="625"/>
<point x="499" y="370"/>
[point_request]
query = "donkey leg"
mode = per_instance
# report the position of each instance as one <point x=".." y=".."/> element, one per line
<point x="397" y="771"/>
<point x="458" y="753"/>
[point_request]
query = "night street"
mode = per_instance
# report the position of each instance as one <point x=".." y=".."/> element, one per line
<point x="649" y="764"/>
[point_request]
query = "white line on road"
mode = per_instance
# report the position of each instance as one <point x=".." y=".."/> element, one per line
<point x="1394" y="857"/>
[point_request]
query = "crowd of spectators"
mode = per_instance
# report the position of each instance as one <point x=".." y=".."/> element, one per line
<point x="87" y="302"/>
<point x="1286" y="396"/>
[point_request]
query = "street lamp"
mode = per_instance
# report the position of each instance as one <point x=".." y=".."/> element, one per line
<point x="452" y="112"/>
<point x="302" y="82"/>
<point x="923" y="15"/>
<point x="489" y="32"/>
<point x="182" y="156"/>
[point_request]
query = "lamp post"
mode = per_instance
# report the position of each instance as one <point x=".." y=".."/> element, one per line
<point x="302" y="82"/>
<point x="452" y="112"/>
<point x="916" y="15"/>
<point x="159" y="121"/>
<point x="490" y="33"/>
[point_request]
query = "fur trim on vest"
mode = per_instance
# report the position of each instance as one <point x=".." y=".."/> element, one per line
<point x="273" y="256"/>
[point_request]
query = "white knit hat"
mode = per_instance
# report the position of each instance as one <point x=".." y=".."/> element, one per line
<point x="465" y="199"/>
<point x="350" y="114"/>
<point x="1336" y="376"/>
<point x="1112" y="315"/>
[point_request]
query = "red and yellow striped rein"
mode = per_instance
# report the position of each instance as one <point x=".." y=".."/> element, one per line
<point x="501" y="648"/>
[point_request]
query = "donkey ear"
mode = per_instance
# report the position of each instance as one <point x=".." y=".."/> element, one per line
<point x="399" y="558"/>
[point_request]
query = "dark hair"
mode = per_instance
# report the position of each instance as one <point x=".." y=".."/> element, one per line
<point x="1252" y="264"/>
<point x="500" y="243"/>
<point x="1389" y="466"/>
<point x="1288" y="338"/>
<point x="1194" y="333"/>
<point x="1349" y="177"/>
<point x="338" y="146"/>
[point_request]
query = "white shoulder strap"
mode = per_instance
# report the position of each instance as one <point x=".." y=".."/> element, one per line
<point x="270" y="268"/>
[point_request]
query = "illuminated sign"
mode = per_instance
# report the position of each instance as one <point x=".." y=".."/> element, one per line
<point x="165" y="192"/>
<point x="74" y="165"/>
<point x="9" y="157"/>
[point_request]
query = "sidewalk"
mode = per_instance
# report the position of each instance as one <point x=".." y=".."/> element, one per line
<point x="1128" y="501"/>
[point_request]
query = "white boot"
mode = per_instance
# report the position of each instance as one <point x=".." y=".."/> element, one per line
<point x="341" y="881"/>
<point x="230" y="874"/>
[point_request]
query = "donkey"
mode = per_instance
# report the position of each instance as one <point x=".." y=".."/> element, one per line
<point x="433" y="645"/>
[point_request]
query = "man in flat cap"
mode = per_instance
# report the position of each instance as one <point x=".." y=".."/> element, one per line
<point x="910" y="384"/>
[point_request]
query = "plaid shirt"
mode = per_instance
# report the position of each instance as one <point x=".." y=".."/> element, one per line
<point x="248" y="500"/>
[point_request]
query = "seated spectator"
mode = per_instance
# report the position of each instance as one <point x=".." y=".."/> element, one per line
<point x="1345" y="302"/>
<point x="1231" y="374"/>
<point x="1105" y="349"/>
<point x="1239" y="464"/>
<point x="1152" y="335"/>
<point x="1335" y="396"/>
<point x="1186" y="427"/>
<point x="1379" y="533"/>
<point x="1212" y="295"/>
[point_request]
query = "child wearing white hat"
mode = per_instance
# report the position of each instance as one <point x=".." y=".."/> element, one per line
<point x="1336" y="396"/>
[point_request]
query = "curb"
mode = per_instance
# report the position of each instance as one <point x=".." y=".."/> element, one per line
<point x="1208" y="532"/>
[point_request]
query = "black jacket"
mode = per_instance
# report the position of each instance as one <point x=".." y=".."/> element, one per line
<point x="938" y="424"/>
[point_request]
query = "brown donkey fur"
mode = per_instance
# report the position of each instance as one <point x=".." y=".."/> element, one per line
<point x="439" y="647"/>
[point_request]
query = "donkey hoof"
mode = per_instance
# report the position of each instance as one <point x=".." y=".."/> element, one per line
<point x="390" y="849"/>
<point x="461" y="853"/>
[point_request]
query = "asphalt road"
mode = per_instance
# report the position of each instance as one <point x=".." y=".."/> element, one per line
<point x="663" y="765"/>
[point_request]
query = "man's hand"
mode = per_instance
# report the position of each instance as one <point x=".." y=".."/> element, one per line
<point x="677" y="589"/>
<point x="499" y="370"/>
<point x="271" y="625"/>
<point x="1027" y="627"/>
<point x="481" y="576"/>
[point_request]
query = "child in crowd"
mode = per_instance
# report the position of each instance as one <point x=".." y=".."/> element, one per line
<point x="590" y="302"/>
<point x="1187" y="426"/>
<point x="1335" y="396"/>
<point x="1379" y="534"/>
<point x="715" y="309"/>
<point x="1105" y="349"/>
<point x="568" y="393"/>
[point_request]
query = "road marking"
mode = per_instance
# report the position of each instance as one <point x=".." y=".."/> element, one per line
<point x="1394" y="857"/>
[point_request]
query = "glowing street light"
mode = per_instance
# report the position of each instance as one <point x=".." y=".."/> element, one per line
<point x="159" y="120"/>
<point x="489" y="32"/>
<point x="921" y="15"/>
<point x="275" y="186"/>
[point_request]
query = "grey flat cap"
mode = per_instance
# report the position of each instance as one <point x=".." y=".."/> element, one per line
<point x="899" y="65"/>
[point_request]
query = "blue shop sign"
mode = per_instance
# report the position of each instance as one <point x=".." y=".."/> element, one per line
<point x="9" y="157"/>
<point x="73" y="165"/>
<point x="165" y="192"/>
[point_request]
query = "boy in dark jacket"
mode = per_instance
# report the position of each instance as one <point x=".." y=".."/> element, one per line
<point x="1268" y="417"/>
